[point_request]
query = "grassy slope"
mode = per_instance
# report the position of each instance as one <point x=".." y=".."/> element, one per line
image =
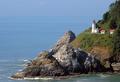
<point x="97" y="44"/>
<point x="87" y="41"/>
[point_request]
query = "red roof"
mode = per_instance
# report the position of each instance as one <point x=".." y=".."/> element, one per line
<point x="112" y="30"/>
<point x="101" y="30"/>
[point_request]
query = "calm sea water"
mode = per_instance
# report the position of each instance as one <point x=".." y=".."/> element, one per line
<point x="22" y="38"/>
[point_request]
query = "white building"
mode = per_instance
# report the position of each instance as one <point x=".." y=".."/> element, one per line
<point x="94" y="28"/>
<point x="102" y="32"/>
<point x="112" y="31"/>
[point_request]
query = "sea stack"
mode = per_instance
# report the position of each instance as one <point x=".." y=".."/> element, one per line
<point x="61" y="60"/>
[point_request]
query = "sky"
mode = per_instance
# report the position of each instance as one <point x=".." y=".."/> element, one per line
<point x="53" y="7"/>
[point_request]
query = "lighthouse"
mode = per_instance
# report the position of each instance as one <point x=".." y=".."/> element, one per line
<point x="94" y="28"/>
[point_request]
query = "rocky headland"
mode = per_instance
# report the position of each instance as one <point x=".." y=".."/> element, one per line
<point x="95" y="51"/>
<point x="63" y="60"/>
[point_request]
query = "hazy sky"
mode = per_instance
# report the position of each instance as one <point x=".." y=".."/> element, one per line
<point x="53" y="7"/>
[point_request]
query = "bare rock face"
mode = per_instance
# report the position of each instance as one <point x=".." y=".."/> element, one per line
<point x="61" y="60"/>
<point x="66" y="39"/>
<point x="63" y="51"/>
<point x="42" y="66"/>
<point x="45" y="65"/>
<point x="64" y="55"/>
<point x="74" y="60"/>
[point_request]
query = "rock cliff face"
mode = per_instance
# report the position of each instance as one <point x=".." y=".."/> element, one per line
<point x="74" y="59"/>
<point x="43" y="65"/>
<point x="61" y="60"/>
<point x="65" y="39"/>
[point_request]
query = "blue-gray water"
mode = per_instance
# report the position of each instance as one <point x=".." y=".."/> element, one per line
<point x="22" y="38"/>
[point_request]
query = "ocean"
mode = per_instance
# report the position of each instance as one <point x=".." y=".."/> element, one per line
<point x="23" y="37"/>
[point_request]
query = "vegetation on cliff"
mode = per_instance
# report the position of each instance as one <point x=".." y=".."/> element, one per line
<point x="109" y="42"/>
<point x="65" y="59"/>
<point x="60" y="61"/>
<point x="111" y="19"/>
<point x="116" y="46"/>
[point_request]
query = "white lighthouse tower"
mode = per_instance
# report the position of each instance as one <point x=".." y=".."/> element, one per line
<point x="94" y="28"/>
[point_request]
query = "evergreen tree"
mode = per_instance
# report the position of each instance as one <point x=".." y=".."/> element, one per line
<point x="116" y="46"/>
<point x="115" y="11"/>
<point x="105" y="16"/>
<point x="113" y="24"/>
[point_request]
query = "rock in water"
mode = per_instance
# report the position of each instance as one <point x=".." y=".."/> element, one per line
<point x="64" y="52"/>
<point x="61" y="60"/>
<point x="74" y="60"/>
<point x="42" y="66"/>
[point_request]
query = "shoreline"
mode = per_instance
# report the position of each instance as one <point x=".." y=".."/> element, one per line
<point x="101" y="74"/>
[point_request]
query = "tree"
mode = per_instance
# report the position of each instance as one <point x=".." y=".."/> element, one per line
<point x="113" y="24"/>
<point x="116" y="46"/>
<point x="112" y="5"/>
<point x="115" y="10"/>
<point x="106" y="16"/>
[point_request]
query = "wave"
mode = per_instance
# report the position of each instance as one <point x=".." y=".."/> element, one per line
<point x="21" y="65"/>
<point x="19" y="60"/>
<point x="26" y="60"/>
<point x="35" y="78"/>
<point x="38" y="78"/>
<point x="103" y="75"/>
<point x="23" y="60"/>
<point x="14" y="78"/>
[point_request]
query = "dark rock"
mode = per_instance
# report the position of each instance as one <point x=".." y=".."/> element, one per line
<point x="61" y="60"/>
<point x="116" y="67"/>
<point x="19" y="75"/>
<point x="76" y="60"/>
<point x="64" y="56"/>
<point x="66" y="39"/>
<point x="43" y="66"/>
